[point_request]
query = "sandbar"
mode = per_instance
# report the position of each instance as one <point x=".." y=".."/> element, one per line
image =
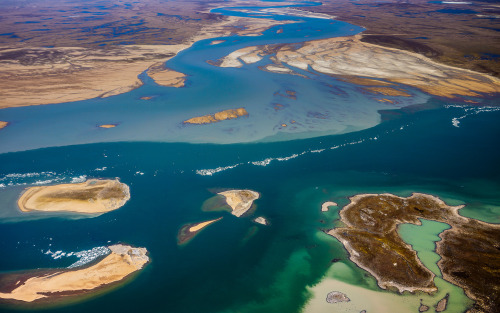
<point x="93" y="196"/>
<point x="121" y="262"/>
<point x="324" y="206"/>
<point x="240" y="201"/>
<point x="189" y="231"/>
<point x="217" y="117"/>
<point x="108" y="125"/>
<point x="353" y="60"/>
<point x="3" y="124"/>
<point x="166" y="77"/>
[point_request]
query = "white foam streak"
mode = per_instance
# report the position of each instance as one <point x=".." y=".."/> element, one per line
<point x="84" y="257"/>
<point x="210" y="172"/>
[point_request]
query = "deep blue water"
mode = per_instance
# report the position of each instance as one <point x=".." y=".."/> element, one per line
<point x="220" y="271"/>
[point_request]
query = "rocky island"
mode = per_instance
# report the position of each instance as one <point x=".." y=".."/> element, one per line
<point x="53" y="285"/>
<point x="217" y="117"/>
<point x="94" y="196"/>
<point x="469" y="250"/>
<point x="189" y="231"/>
<point x="240" y="201"/>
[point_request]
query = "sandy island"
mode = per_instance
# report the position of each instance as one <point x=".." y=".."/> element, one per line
<point x="92" y="196"/>
<point x="217" y="117"/>
<point x="261" y="220"/>
<point x="326" y="205"/>
<point x="469" y="252"/>
<point x="121" y="262"/>
<point x="108" y="125"/>
<point x="189" y="231"/>
<point x="240" y="201"/>
<point x="3" y="124"/>
<point x="361" y="61"/>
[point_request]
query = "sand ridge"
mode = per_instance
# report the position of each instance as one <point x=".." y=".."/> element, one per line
<point x="121" y="262"/>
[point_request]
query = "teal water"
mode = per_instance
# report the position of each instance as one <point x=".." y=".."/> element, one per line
<point x="222" y="270"/>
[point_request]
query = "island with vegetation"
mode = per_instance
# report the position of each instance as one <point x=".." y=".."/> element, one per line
<point x="51" y="285"/>
<point x="95" y="196"/>
<point x="469" y="250"/>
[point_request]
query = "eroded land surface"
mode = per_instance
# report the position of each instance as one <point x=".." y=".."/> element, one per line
<point x="189" y="231"/>
<point x="240" y="201"/>
<point x="59" y="51"/>
<point x="469" y="250"/>
<point x="120" y="263"/>
<point x="217" y="117"/>
<point x="92" y="196"/>
<point x="363" y="63"/>
<point x="457" y="33"/>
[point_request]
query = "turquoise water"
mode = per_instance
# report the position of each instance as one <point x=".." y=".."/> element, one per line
<point x="222" y="269"/>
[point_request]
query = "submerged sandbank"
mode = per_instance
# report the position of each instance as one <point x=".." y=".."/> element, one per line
<point x="92" y="196"/>
<point x="189" y="231"/>
<point x="121" y="262"/>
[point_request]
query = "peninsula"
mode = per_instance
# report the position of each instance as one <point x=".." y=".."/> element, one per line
<point x="93" y="196"/>
<point x="189" y="231"/>
<point x="469" y="249"/>
<point x="41" y="287"/>
<point x="3" y="124"/>
<point x="240" y="201"/>
<point x="217" y="117"/>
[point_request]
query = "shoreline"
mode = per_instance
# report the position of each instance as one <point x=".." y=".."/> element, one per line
<point x="57" y="284"/>
<point x="370" y="218"/>
<point x="93" y="196"/>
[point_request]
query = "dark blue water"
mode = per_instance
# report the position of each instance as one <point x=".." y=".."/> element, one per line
<point x="222" y="270"/>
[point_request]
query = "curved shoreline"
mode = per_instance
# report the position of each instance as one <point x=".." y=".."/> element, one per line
<point x="189" y="231"/>
<point x="467" y="248"/>
<point x="92" y="197"/>
<point x="123" y="261"/>
<point x="240" y="201"/>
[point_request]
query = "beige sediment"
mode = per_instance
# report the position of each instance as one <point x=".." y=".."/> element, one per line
<point x="359" y="62"/>
<point x="3" y="124"/>
<point x="326" y="205"/>
<point x="84" y="73"/>
<point x="107" y="125"/>
<point x="240" y="201"/>
<point x="200" y="226"/>
<point x="121" y="262"/>
<point x="166" y="77"/>
<point x="92" y="197"/>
